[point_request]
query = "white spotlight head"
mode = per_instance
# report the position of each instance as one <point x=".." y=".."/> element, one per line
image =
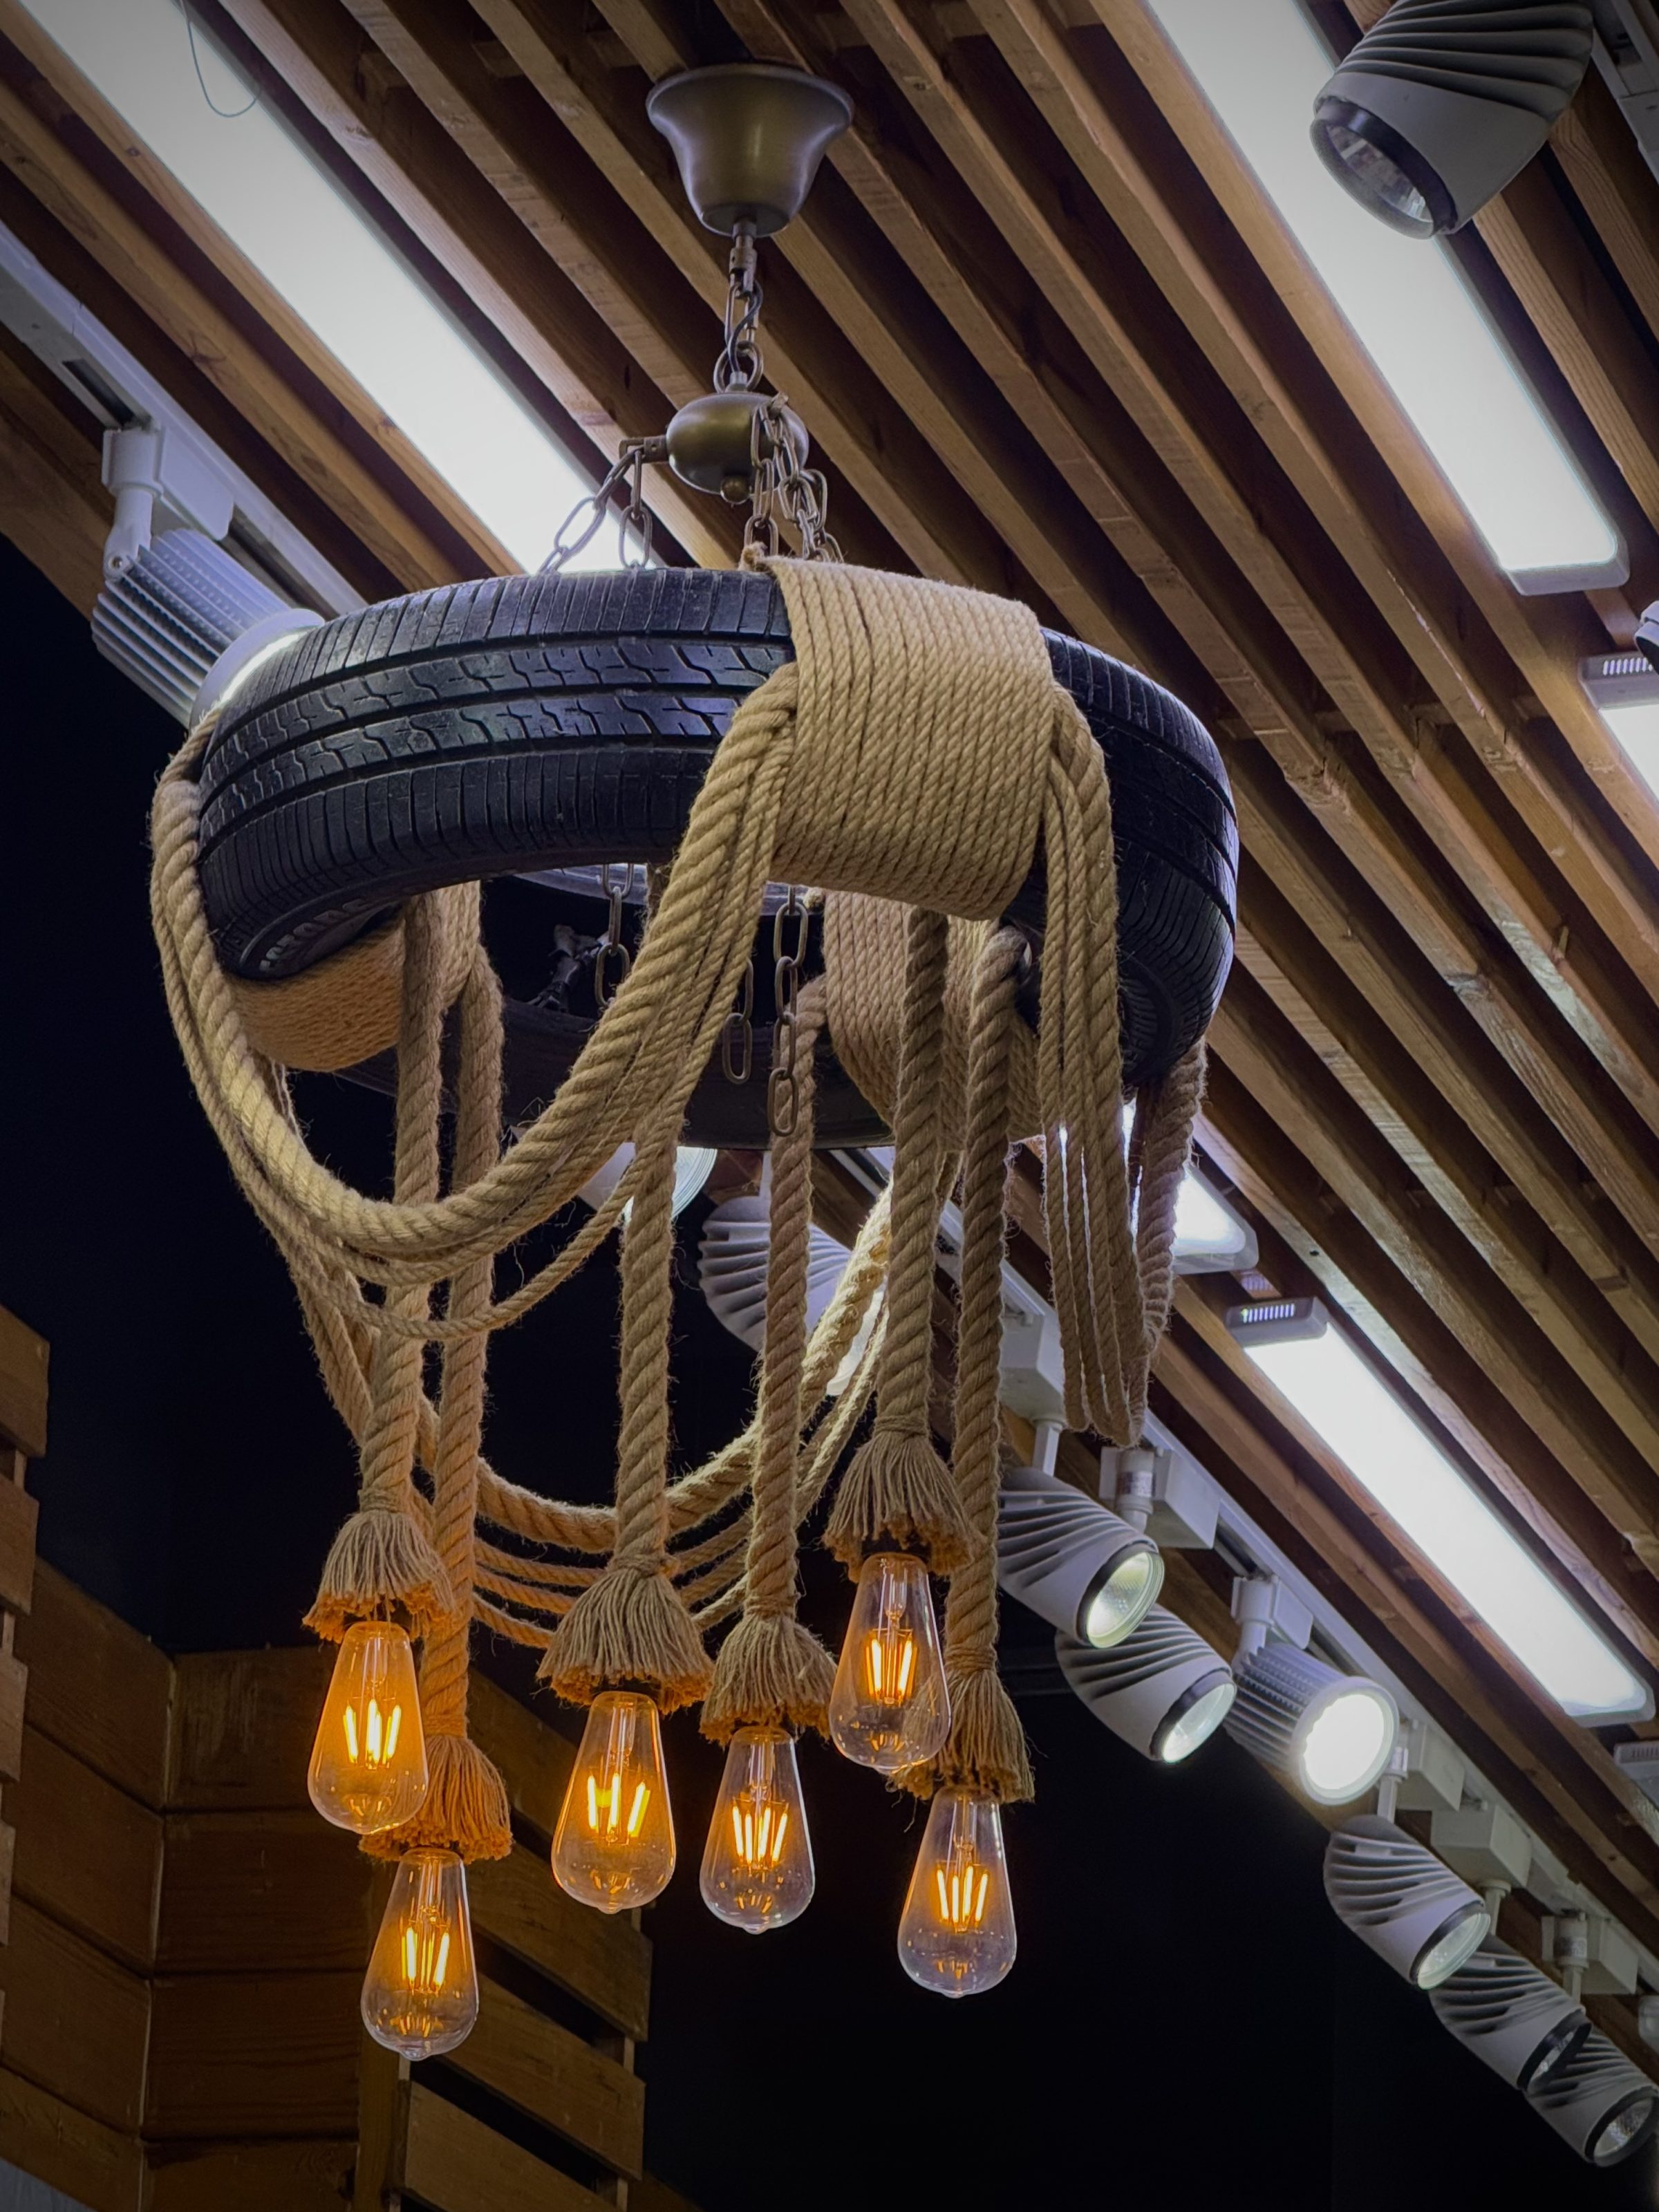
<point x="1163" y="1689"/>
<point x="1075" y="1564"/>
<point x="1514" y="2019"/>
<point x="1598" y="2102"/>
<point x="1332" y="1733"/>
<point x="1401" y="1901"/>
<point x="693" y="1165"/>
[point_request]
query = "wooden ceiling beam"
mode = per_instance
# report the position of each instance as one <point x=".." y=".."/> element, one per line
<point x="1553" y="1770"/>
<point x="407" y="158"/>
<point x="1605" y="1435"/>
<point x="1604" y="168"/>
<point x="1434" y="1022"/>
<point x="53" y="505"/>
<point x="606" y="206"/>
<point x="35" y="149"/>
<point x="1544" y="637"/>
<point x="459" y="545"/>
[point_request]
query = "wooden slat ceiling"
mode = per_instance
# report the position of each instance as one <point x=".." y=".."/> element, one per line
<point x="1050" y="338"/>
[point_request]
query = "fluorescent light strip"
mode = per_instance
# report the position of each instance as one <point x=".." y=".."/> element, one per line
<point x="315" y="248"/>
<point x="1433" y="1503"/>
<point x="1261" y="64"/>
<point x="1625" y="690"/>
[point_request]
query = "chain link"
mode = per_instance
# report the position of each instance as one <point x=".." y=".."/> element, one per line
<point x="612" y="950"/>
<point x="784" y="487"/>
<point x="741" y="366"/>
<point x="587" y="517"/>
<point x="737" y="1037"/>
<point x="782" y="1089"/>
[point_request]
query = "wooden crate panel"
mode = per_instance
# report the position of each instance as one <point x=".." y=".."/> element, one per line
<point x="23" y="1360"/>
<point x="97" y="1687"/>
<point x="88" y="1855"/>
<point x="606" y="1963"/>
<point x="18" y="1515"/>
<point x="256" y="1892"/>
<point x="556" y="2078"/>
<point x="13" y="1689"/>
<point x="39" y="2135"/>
<point x="75" y="2023"/>
<point x="243" y="1727"/>
<point x="253" y="2056"/>
<point x="455" y="2163"/>
<point x="651" y="2194"/>
<point x="282" y="2177"/>
<point x="535" y="1759"/>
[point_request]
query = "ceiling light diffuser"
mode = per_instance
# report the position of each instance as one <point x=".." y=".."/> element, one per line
<point x="1624" y="687"/>
<point x="1396" y="1462"/>
<point x="1262" y="67"/>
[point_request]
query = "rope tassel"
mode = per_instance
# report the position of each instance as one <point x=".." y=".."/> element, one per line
<point x="631" y="1626"/>
<point x="898" y="1491"/>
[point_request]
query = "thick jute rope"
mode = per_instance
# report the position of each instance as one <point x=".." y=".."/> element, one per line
<point x="465" y="1809"/>
<point x="771" y="1670"/>
<point x="986" y="1748"/>
<point x="916" y="750"/>
<point x="898" y="1494"/>
<point x="631" y="1627"/>
<point x="382" y="1557"/>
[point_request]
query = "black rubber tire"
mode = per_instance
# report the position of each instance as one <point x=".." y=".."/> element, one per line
<point x="492" y="728"/>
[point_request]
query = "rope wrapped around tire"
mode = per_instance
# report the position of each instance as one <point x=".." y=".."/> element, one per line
<point x="526" y="723"/>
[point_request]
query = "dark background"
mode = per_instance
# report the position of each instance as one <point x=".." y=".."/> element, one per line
<point x="1187" y="2020"/>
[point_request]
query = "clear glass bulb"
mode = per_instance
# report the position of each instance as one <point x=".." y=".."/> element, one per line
<point x="615" y="1845"/>
<point x="421" y="1994"/>
<point x="368" y="1762"/>
<point x="889" y="1708"/>
<point x="957" y="1935"/>
<point x="758" y="1869"/>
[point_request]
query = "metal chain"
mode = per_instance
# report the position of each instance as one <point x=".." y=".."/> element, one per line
<point x="737" y="1037"/>
<point x="782" y="1089"/>
<point x="612" y="950"/>
<point x="740" y="366"/>
<point x="588" y="516"/>
<point x="784" y="488"/>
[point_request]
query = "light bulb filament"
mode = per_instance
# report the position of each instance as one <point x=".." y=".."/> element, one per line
<point x="890" y="1665"/>
<point x="961" y="1905"/>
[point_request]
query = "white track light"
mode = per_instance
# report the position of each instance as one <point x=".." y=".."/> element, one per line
<point x="1514" y="2019"/>
<point x="1163" y="1689"/>
<point x="1401" y="1901"/>
<point x="1332" y="1733"/>
<point x="1076" y="1565"/>
<point x="1598" y="2102"/>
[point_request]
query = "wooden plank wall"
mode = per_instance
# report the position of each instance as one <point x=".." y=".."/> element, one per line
<point x="180" y="2030"/>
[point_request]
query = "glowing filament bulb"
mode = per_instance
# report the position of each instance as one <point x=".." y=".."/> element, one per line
<point x="368" y="1763"/>
<point x="615" y="1845"/>
<point x="420" y="1996"/>
<point x="889" y="1708"/>
<point x="957" y="1935"/>
<point x="757" y="1864"/>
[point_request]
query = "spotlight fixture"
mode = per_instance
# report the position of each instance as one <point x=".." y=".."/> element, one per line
<point x="1401" y="1901"/>
<point x="1598" y="2102"/>
<point x="1443" y="101"/>
<point x="1163" y="1689"/>
<point x="1514" y="2019"/>
<point x="1076" y="1565"/>
<point x="693" y="1165"/>
<point x="1332" y="1733"/>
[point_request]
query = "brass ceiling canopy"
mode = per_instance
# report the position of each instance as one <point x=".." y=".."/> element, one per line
<point x="748" y="137"/>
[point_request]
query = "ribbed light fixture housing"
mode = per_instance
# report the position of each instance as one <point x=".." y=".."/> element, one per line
<point x="1514" y="2019"/>
<point x="1598" y="2102"/>
<point x="1443" y="102"/>
<point x="1331" y="1733"/>
<point x="170" y="619"/>
<point x="1401" y="1901"/>
<point x="1163" y="1689"/>
<point x="1076" y="1565"/>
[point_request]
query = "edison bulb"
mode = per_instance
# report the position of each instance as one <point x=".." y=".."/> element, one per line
<point x="420" y="1996"/>
<point x="615" y="1845"/>
<point x="889" y="1708"/>
<point x="368" y="1763"/>
<point x="757" y="1864"/>
<point x="957" y="1935"/>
